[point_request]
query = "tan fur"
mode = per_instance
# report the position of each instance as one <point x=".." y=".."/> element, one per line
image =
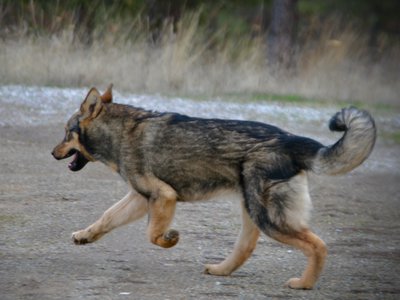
<point x="161" y="213"/>
<point x="313" y="248"/>
<point x="162" y="202"/>
<point x="297" y="213"/>
<point x="107" y="95"/>
<point x="244" y="247"/>
<point x="130" y="208"/>
<point x="63" y="148"/>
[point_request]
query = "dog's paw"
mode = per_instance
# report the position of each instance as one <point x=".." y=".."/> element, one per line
<point x="299" y="284"/>
<point x="81" y="237"/>
<point x="171" y="238"/>
<point x="216" y="269"/>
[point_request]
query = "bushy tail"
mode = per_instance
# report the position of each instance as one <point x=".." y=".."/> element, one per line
<point x="353" y="148"/>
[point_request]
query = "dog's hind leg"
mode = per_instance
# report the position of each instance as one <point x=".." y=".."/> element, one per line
<point x="161" y="213"/>
<point x="244" y="247"/>
<point x="281" y="211"/>
<point x="130" y="208"/>
<point x="312" y="247"/>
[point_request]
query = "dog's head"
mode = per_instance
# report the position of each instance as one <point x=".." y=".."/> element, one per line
<point x="72" y="144"/>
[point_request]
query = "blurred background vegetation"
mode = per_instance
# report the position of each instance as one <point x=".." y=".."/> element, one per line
<point x="322" y="49"/>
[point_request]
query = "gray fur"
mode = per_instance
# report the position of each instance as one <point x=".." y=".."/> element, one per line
<point x="353" y="148"/>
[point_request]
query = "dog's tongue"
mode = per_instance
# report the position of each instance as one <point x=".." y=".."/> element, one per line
<point x="73" y="163"/>
<point x="78" y="162"/>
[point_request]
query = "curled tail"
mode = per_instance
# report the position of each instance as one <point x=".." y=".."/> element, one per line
<point x="354" y="146"/>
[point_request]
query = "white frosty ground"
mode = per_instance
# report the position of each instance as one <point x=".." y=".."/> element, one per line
<point x="21" y="105"/>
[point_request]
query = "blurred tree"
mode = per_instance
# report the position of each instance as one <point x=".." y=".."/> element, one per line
<point x="161" y="13"/>
<point x="84" y="18"/>
<point x="378" y="18"/>
<point x="281" y="34"/>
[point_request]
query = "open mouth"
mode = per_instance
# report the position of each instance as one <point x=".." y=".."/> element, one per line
<point x="78" y="162"/>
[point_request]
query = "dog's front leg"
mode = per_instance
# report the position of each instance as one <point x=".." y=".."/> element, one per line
<point x="161" y="213"/>
<point x="130" y="208"/>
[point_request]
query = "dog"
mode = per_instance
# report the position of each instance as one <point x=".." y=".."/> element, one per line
<point x="168" y="157"/>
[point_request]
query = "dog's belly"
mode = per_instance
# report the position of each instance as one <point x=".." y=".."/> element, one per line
<point x="194" y="181"/>
<point x="218" y="194"/>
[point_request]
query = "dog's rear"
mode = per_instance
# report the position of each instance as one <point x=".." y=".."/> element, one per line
<point x="281" y="207"/>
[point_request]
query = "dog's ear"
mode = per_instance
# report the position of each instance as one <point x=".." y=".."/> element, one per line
<point x="92" y="105"/>
<point x="107" y="96"/>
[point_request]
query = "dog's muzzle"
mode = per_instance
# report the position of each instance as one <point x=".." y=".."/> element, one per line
<point x="78" y="162"/>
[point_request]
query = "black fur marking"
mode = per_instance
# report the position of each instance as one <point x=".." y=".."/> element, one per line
<point x="73" y="125"/>
<point x="301" y="150"/>
<point x="254" y="191"/>
<point x="258" y="212"/>
<point x="178" y="118"/>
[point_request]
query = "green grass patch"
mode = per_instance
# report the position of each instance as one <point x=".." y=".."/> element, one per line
<point x="300" y="100"/>
<point x="291" y="99"/>
<point x="11" y="219"/>
<point x="393" y="137"/>
<point x="256" y="97"/>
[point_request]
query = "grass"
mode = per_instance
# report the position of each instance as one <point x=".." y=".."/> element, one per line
<point x="299" y="100"/>
<point x="11" y="219"/>
<point x="393" y="137"/>
<point x="333" y="67"/>
<point x="285" y="98"/>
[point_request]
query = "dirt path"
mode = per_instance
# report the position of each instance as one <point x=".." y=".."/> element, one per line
<point x="42" y="202"/>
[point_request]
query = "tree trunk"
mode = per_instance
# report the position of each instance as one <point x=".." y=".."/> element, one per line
<point x="281" y="33"/>
<point x="162" y="13"/>
<point x="84" y="25"/>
